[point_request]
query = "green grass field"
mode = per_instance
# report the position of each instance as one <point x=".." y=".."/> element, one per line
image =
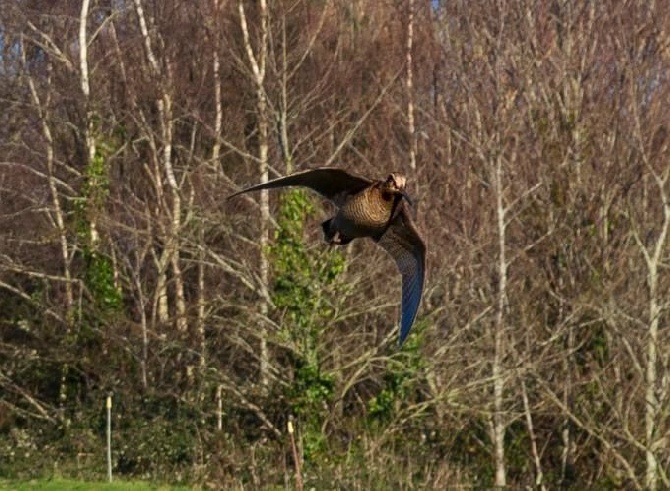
<point x="67" y="485"/>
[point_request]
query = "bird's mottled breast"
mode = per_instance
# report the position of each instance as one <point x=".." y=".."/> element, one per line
<point x="366" y="213"/>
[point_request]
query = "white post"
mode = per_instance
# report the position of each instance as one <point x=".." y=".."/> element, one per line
<point x="109" y="438"/>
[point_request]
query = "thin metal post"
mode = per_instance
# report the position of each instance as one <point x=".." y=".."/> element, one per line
<point x="109" y="438"/>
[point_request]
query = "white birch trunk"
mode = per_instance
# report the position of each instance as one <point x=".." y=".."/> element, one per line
<point x="499" y="336"/>
<point x="652" y="408"/>
<point x="409" y="84"/>
<point x="170" y="256"/>
<point x="258" y="62"/>
<point x="88" y="123"/>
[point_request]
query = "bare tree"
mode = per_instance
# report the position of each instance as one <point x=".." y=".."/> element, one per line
<point x="162" y="162"/>
<point x="409" y="84"/>
<point x="88" y="129"/>
<point x="257" y="58"/>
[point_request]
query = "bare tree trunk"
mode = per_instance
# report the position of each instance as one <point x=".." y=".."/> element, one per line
<point x="499" y="335"/>
<point x="409" y="84"/>
<point x="258" y="65"/>
<point x="170" y="256"/>
<point x="539" y="475"/>
<point x="653" y="256"/>
<point x="88" y="122"/>
<point x="651" y="407"/>
<point x="172" y="246"/>
<point x="216" y="152"/>
<point x="218" y="106"/>
<point x="200" y="322"/>
<point x="567" y="390"/>
<point x="282" y="117"/>
<point x="161" y="307"/>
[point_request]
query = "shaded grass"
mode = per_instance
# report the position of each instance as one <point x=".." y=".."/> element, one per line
<point x="67" y="484"/>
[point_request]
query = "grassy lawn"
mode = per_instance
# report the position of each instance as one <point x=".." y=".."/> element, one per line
<point x="66" y="485"/>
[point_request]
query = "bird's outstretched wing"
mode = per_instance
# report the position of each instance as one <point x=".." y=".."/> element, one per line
<point x="334" y="184"/>
<point x="403" y="242"/>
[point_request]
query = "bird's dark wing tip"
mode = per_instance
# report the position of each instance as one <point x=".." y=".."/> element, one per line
<point x="403" y="336"/>
<point x="405" y="327"/>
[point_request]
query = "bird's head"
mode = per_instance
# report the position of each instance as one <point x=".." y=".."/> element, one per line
<point x="395" y="185"/>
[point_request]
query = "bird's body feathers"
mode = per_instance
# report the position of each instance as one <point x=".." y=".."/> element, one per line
<point x="369" y="209"/>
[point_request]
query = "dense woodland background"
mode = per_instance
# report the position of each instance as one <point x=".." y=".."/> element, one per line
<point x="535" y="138"/>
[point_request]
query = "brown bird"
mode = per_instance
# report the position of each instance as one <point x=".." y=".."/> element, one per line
<point x="374" y="209"/>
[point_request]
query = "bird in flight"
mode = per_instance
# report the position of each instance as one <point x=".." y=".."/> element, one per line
<point x="375" y="209"/>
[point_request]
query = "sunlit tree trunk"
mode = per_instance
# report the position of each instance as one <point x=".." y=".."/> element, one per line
<point x="539" y="475"/>
<point x="170" y="255"/>
<point x="215" y="156"/>
<point x="200" y="319"/>
<point x="409" y="85"/>
<point x="499" y="333"/>
<point x="653" y="255"/>
<point x="89" y="137"/>
<point x="257" y="60"/>
<point x="282" y="116"/>
<point x="216" y="76"/>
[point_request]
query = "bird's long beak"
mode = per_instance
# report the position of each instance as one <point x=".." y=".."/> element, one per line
<point x="406" y="196"/>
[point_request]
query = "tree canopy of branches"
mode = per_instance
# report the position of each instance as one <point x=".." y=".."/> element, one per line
<point x="535" y="137"/>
